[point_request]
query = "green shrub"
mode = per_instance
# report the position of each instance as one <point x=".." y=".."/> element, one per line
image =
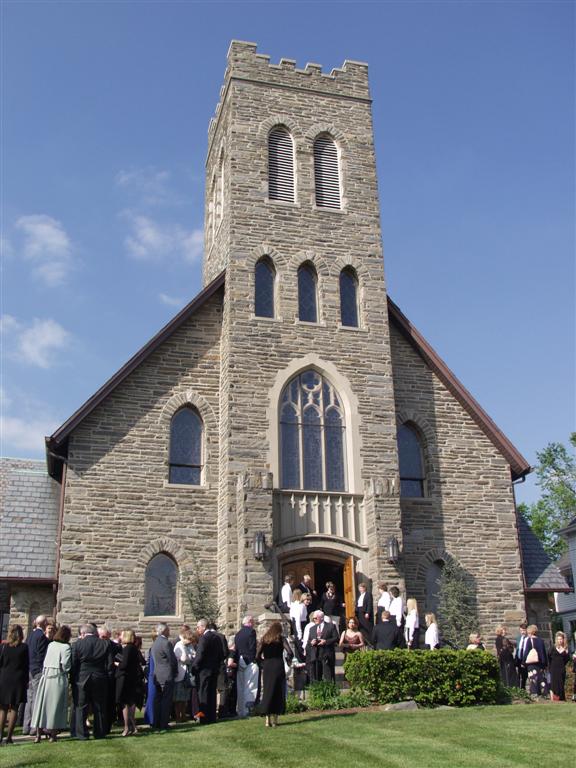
<point x="354" y="698"/>
<point x="294" y="705"/>
<point x="455" y="678"/>
<point x="322" y="695"/>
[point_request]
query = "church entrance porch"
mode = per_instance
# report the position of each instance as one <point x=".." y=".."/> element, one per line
<point x="323" y="567"/>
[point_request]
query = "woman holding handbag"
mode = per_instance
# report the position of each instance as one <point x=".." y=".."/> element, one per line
<point x="536" y="661"/>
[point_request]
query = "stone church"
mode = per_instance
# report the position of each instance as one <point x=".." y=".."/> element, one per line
<point x="290" y="418"/>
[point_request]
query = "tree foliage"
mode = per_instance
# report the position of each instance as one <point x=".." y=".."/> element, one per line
<point x="457" y="605"/>
<point x="201" y="598"/>
<point x="556" y="473"/>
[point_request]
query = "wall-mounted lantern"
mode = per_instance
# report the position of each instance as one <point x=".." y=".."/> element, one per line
<point x="393" y="550"/>
<point x="259" y="546"/>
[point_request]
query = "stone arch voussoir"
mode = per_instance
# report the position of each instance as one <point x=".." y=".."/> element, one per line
<point x="404" y="415"/>
<point x="319" y="262"/>
<point x="432" y="556"/>
<point x="168" y="546"/>
<point x="280" y="119"/>
<point x="319" y="128"/>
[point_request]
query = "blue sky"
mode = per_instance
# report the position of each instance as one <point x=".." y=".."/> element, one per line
<point x="105" y="109"/>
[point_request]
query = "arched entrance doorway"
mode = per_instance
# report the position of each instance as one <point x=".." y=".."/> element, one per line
<point x="323" y="567"/>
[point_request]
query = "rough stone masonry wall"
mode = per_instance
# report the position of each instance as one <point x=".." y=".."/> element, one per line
<point x="119" y="509"/>
<point x="468" y="512"/>
<point x="257" y="96"/>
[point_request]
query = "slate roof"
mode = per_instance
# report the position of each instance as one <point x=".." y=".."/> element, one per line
<point x="540" y="573"/>
<point x="28" y="520"/>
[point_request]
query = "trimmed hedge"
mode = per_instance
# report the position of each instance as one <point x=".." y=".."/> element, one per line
<point x="431" y="678"/>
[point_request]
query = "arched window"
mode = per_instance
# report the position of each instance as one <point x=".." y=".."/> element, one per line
<point x="264" y="279"/>
<point x="433" y="575"/>
<point x="326" y="172"/>
<point x="307" y="293"/>
<point x="280" y="165"/>
<point x="186" y="447"/>
<point x="349" y="297"/>
<point x="160" y="586"/>
<point x="312" y="435"/>
<point x="410" y="460"/>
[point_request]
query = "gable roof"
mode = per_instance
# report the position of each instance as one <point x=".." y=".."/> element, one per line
<point x="518" y="464"/>
<point x="57" y="443"/>
<point x="540" y="573"/>
<point x="570" y="528"/>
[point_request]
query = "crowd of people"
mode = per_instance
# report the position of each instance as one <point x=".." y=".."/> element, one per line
<point x="203" y="677"/>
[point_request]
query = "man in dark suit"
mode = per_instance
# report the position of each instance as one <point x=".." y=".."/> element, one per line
<point x="365" y="610"/>
<point x="521" y="641"/>
<point x="321" y="650"/>
<point x="206" y="665"/>
<point x="37" y="647"/>
<point x="91" y="663"/>
<point x="165" y="672"/>
<point x="385" y="635"/>
<point x="307" y="588"/>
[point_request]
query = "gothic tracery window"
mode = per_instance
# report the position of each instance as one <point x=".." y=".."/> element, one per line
<point x="160" y="585"/>
<point x="410" y="460"/>
<point x="186" y="437"/>
<point x="312" y="435"/>
<point x="307" y="293"/>
<point x="264" y="279"/>
<point x="348" y="298"/>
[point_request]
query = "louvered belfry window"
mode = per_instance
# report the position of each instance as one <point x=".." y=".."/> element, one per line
<point x="326" y="173"/>
<point x="280" y="165"/>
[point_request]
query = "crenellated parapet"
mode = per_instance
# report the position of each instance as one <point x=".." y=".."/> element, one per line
<point x="244" y="63"/>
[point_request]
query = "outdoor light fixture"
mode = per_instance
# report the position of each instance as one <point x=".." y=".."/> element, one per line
<point x="393" y="550"/>
<point x="259" y="546"/>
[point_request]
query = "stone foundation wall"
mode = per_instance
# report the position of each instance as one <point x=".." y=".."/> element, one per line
<point x="28" y="602"/>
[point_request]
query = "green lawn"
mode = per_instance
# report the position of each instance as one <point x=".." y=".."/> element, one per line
<point x="522" y="735"/>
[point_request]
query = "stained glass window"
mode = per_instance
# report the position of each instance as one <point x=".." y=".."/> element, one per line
<point x="349" y="298"/>
<point x="307" y="293"/>
<point x="160" y="586"/>
<point x="312" y="435"/>
<point x="410" y="460"/>
<point x="264" y="276"/>
<point x="186" y="447"/>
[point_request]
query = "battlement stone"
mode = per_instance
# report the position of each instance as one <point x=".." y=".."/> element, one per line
<point x="350" y="81"/>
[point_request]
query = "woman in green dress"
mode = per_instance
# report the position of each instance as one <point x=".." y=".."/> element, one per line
<point x="51" y="704"/>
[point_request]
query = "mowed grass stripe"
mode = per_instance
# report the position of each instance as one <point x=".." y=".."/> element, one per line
<point x="479" y="737"/>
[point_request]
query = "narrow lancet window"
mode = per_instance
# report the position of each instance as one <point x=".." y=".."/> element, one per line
<point x="264" y="280"/>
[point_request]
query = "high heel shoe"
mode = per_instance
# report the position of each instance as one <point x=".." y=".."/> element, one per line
<point x="267" y="721"/>
<point x="38" y="738"/>
<point x="126" y="732"/>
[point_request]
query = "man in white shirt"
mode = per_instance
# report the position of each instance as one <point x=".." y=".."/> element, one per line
<point x="384" y="600"/>
<point x="521" y="641"/>
<point x="397" y="606"/>
<point x="286" y="593"/>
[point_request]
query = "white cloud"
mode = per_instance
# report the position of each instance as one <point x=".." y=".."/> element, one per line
<point x="8" y="323"/>
<point x="25" y="434"/>
<point x="152" y="241"/>
<point x="36" y="343"/>
<point x="170" y="301"/>
<point x="149" y="184"/>
<point x="47" y="246"/>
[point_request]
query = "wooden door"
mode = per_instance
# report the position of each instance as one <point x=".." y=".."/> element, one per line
<point x="298" y="568"/>
<point x="349" y="587"/>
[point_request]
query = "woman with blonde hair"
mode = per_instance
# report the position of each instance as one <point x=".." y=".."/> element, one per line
<point x="129" y="681"/>
<point x="432" y="637"/>
<point x="412" y="626"/>
<point x="14" y="666"/>
<point x="559" y="657"/>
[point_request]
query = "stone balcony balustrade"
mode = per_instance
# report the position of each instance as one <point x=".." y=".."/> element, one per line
<point x="306" y="514"/>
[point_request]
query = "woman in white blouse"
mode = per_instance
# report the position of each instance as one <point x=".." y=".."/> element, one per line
<point x="412" y="626"/>
<point x="432" y="637"/>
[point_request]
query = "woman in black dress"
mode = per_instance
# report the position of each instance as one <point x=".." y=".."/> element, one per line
<point x="14" y="666"/>
<point x="129" y="682"/>
<point x="559" y="657"/>
<point x="270" y="657"/>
